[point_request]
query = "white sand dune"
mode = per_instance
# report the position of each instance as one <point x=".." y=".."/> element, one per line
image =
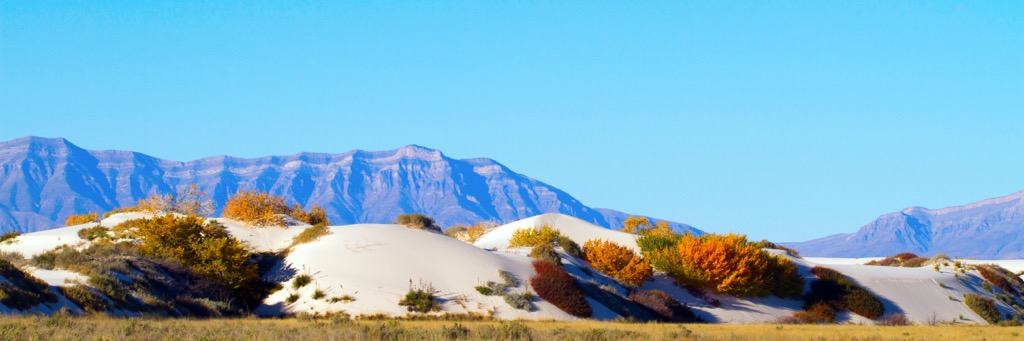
<point x="376" y="264"/>
<point x="263" y="239"/>
<point x="576" y="229"/>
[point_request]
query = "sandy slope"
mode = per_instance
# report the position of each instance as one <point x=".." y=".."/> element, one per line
<point x="270" y="238"/>
<point x="578" y="230"/>
<point x="376" y="264"/>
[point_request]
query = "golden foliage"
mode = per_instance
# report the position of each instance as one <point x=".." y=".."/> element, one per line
<point x="79" y="219"/>
<point x="473" y="233"/>
<point x="530" y="237"/>
<point x="724" y="263"/>
<point x="634" y="224"/>
<point x="617" y="261"/>
<point x="204" y="247"/>
<point x="255" y="208"/>
<point x="316" y="215"/>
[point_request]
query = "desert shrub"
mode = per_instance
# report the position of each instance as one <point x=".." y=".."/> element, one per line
<point x="301" y="280"/>
<point x="318" y="294"/>
<point x="9" y="236"/>
<point x="634" y="224"/>
<point x="766" y="244"/>
<point x="788" y="281"/>
<point x="556" y="286"/>
<point x="984" y="307"/>
<point x="256" y="208"/>
<point x="95" y="232"/>
<point x="189" y="201"/>
<point x="532" y="237"/>
<point x="569" y="246"/>
<point x="725" y="264"/>
<point x="311" y="234"/>
<point x="545" y="252"/>
<point x="420" y="298"/>
<point x="292" y="298"/>
<point x="519" y="301"/>
<point x="15" y="258"/>
<point x="316" y="215"/>
<point x="485" y="289"/>
<point x="457" y="231"/>
<point x="455" y="332"/>
<point x="617" y="261"/>
<point x="108" y="285"/>
<point x="418" y="221"/>
<point x="813" y="314"/>
<point x="508" y="278"/>
<point x="22" y="291"/>
<point x="84" y="297"/>
<point x="655" y="242"/>
<point x="202" y="246"/>
<point x="841" y="292"/>
<point x="1001" y="278"/>
<point x="665" y="305"/>
<point x="79" y="219"/>
<point x="893" y="320"/>
<point x="903" y="259"/>
<point x="863" y="303"/>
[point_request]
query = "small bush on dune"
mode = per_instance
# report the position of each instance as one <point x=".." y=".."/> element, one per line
<point x="665" y="305"/>
<point x="469" y="234"/>
<point x="519" y="301"/>
<point x="311" y="234"/>
<point x="22" y="291"/>
<point x="9" y="236"/>
<point x="840" y="292"/>
<point x="79" y="219"/>
<point x="726" y="264"/>
<point x="546" y="252"/>
<point x="556" y="286"/>
<point x="532" y="237"/>
<point x="1002" y="278"/>
<point x="617" y="261"/>
<point x="420" y="298"/>
<point x="301" y="280"/>
<point x="418" y="221"/>
<point x="256" y="208"/>
<point x="569" y="246"/>
<point x="984" y="307"/>
<point x="766" y="244"/>
<point x="95" y="232"/>
<point x="189" y="201"/>
<point x="84" y="297"/>
<point x="316" y="215"/>
<point x="904" y="259"/>
<point x="814" y="314"/>
<point x="894" y="320"/>
<point x="456" y="231"/>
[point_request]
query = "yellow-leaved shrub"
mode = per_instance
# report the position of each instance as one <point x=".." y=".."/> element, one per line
<point x="79" y="219"/>
<point x="256" y="208"/>
<point x="530" y="237"/>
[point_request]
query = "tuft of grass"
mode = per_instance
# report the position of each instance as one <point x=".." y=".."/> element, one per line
<point x="520" y="301"/>
<point x="301" y="280"/>
<point x="292" y="298"/>
<point x="420" y="298"/>
<point x="318" y="294"/>
<point x="311" y="234"/>
<point x="9" y="237"/>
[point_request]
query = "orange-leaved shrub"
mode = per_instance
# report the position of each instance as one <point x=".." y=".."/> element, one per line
<point x="79" y="219"/>
<point x="255" y="208"/>
<point x="316" y="215"/>
<point x="556" y="286"/>
<point x="729" y="264"/>
<point x="617" y="261"/>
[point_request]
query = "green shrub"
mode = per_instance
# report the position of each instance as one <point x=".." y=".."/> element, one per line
<point x="545" y="252"/>
<point x="485" y="289"/>
<point x="9" y="236"/>
<point x="95" y="232"/>
<point x="292" y="298"/>
<point x="301" y="280"/>
<point x="840" y="292"/>
<point x="508" y="278"/>
<point x="311" y="234"/>
<point x="519" y="301"/>
<point x="420" y="298"/>
<point x="84" y="297"/>
<point x="455" y="332"/>
<point x="22" y="291"/>
<point x="984" y="307"/>
<point x="418" y="221"/>
<point x="109" y="285"/>
<point x="569" y="246"/>
<point x="766" y="244"/>
<point x="318" y="294"/>
<point x="863" y="303"/>
<point x="556" y="286"/>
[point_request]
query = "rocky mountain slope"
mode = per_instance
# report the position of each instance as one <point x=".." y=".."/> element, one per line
<point x="989" y="229"/>
<point x="44" y="180"/>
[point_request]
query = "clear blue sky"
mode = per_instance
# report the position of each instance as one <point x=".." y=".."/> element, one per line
<point x="784" y="120"/>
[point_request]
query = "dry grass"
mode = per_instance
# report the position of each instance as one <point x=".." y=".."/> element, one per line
<point x="71" y="328"/>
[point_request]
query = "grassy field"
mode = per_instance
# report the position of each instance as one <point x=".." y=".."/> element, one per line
<point x="104" y="328"/>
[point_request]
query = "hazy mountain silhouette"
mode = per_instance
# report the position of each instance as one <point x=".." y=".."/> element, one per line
<point x="43" y="180"/>
<point x="989" y="229"/>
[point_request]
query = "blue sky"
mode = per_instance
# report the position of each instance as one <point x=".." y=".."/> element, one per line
<point x="783" y="120"/>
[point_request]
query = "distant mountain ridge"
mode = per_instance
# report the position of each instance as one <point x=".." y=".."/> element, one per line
<point x="988" y="229"/>
<point x="44" y="180"/>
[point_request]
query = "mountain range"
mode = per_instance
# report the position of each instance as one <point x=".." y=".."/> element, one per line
<point x="989" y="229"/>
<point x="44" y="180"/>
